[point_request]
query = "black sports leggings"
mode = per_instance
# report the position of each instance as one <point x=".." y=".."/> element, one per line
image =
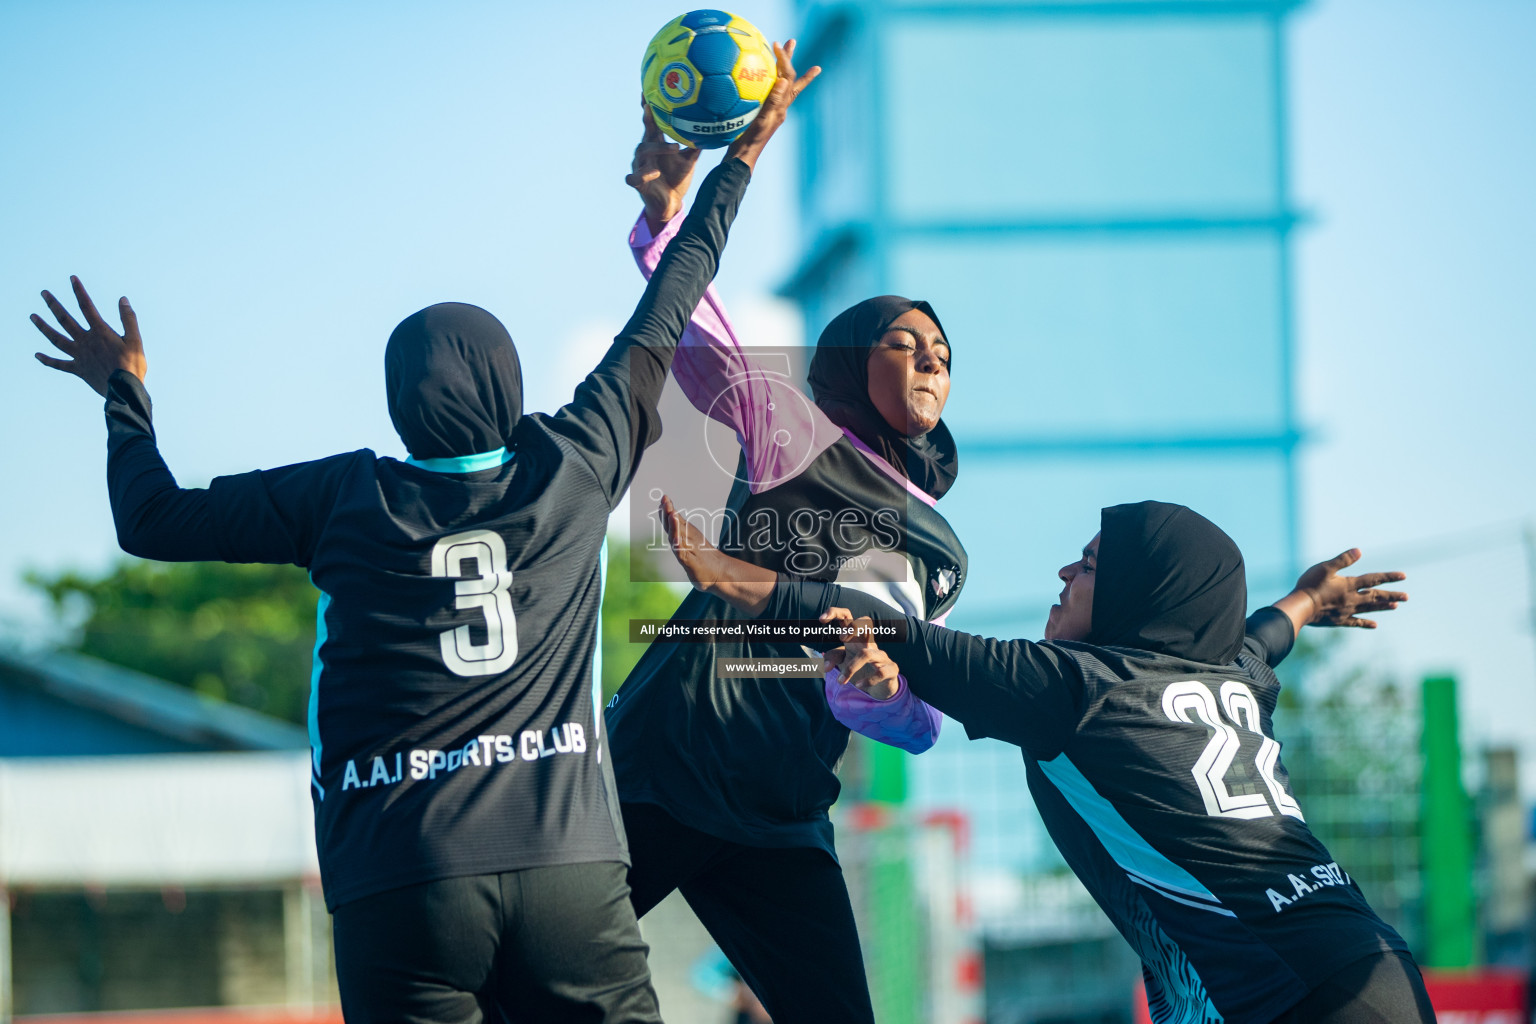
<point x="1384" y="988"/>
<point x="782" y="916"/>
<point x="553" y="945"/>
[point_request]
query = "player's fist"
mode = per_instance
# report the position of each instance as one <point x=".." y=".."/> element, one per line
<point x="861" y="662"/>
<point x="661" y="172"/>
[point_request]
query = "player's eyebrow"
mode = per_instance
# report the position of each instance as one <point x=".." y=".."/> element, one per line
<point x="1087" y="553"/>
<point x="916" y="334"/>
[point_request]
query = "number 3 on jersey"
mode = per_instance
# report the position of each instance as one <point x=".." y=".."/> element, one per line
<point x="1191" y="698"/>
<point x="487" y="591"/>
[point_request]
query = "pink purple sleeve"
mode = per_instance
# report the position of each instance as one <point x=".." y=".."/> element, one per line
<point x="779" y="430"/>
<point x="903" y="721"/>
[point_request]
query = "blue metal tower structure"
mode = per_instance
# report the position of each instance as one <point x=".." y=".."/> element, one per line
<point x="1094" y="195"/>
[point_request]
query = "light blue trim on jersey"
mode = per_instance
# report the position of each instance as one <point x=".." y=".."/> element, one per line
<point x="597" y="653"/>
<point x="1175" y="992"/>
<point x="1164" y="892"/>
<point x="1123" y="843"/>
<point x="464" y="463"/>
<point x="314" y="690"/>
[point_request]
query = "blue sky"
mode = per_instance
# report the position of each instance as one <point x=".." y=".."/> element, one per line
<point x="276" y="185"/>
<point x="1414" y="152"/>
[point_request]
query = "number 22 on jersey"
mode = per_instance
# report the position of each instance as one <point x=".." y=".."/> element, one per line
<point x="1190" y="701"/>
<point x="486" y="590"/>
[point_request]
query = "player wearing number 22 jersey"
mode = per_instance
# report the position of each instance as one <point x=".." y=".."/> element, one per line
<point x="1151" y="757"/>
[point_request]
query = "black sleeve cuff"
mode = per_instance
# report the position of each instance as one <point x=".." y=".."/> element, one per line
<point x="797" y="599"/>
<point x="1272" y="628"/>
<point x="128" y="409"/>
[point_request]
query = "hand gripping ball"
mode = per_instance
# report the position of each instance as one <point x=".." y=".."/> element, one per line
<point x="705" y="76"/>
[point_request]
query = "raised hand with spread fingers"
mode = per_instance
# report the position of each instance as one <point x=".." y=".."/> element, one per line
<point x="95" y="351"/>
<point x="1324" y="598"/>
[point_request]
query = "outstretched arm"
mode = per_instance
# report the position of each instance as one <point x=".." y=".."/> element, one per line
<point x="1020" y="692"/>
<point x="154" y="517"/>
<point x="778" y="429"/>
<point x="614" y="415"/>
<point x="1014" y="690"/>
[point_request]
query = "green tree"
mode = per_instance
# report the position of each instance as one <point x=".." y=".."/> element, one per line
<point x="627" y="595"/>
<point x="246" y="633"/>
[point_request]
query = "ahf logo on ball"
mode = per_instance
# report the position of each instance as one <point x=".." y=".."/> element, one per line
<point x="677" y="82"/>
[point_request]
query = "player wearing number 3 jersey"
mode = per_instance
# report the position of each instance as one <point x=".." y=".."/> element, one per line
<point x="455" y="737"/>
<point x="1144" y="720"/>
<point x="470" y="840"/>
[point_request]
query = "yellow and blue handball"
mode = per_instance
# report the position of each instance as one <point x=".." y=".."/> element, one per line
<point x="705" y="77"/>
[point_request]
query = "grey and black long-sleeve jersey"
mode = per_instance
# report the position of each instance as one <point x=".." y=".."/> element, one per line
<point x="1161" y="783"/>
<point x="453" y="713"/>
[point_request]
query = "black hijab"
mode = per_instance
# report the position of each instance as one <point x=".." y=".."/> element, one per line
<point x="839" y="379"/>
<point x="1169" y="581"/>
<point x="455" y="385"/>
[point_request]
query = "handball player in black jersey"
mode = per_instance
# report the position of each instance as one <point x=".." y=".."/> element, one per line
<point x="1145" y="723"/>
<point x="725" y="783"/>
<point x="471" y="846"/>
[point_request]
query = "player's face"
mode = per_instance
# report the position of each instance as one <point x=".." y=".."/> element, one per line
<point x="909" y="373"/>
<point x="1072" y="618"/>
